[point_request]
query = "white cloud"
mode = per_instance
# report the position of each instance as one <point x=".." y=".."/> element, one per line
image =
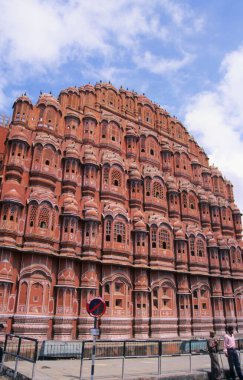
<point x="39" y="36"/>
<point x="162" y="65"/>
<point x="216" y="117"/>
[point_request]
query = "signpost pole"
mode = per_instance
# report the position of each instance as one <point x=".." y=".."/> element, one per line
<point x="94" y="349"/>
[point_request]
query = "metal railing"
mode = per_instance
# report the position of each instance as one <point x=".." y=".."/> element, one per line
<point x="148" y="349"/>
<point x="15" y="346"/>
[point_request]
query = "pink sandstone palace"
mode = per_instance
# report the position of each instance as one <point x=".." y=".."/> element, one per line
<point x="104" y="193"/>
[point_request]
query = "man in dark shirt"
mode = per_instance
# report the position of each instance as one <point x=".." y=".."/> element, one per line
<point x="1" y="350"/>
<point x="212" y="344"/>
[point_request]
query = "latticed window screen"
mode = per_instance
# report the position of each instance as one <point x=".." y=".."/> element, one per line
<point x="177" y="161"/>
<point x="158" y="190"/>
<point x="200" y="247"/>
<point x="142" y="144"/>
<point x="66" y="225"/>
<point x="116" y="178"/>
<point x="215" y="184"/>
<point x="184" y="200"/>
<point x="33" y="211"/>
<point x="103" y="130"/>
<point x="192" y="246"/>
<point x="148" y="187"/>
<point x="106" y="175"/>
<point x="192" y="202"/>
<point x="119" y="232"/>
<point x="5" y="212"/>
<point x="53" y="220"/>
<point x="73" y="226"/>
<point x="223" y="213"/>
<point x="108" y="230"/>
<point x="37" y="153"/>
<point x="164" y="239"/>
<point x="151" y="148"/>
<point x="153" y="237"/>
<point x="13" y="209"/>
<point x="44" y="217"/>
<point x="68" y="166"/>
<point x="115" y="133"/>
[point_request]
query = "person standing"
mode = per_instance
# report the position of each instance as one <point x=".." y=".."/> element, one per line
<point x="231" y="353"/>
<point x="212" y="345"/>
<point x="1" y="349"/>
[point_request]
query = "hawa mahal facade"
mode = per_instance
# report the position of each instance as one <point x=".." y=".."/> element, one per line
<point x="104" y="193"/>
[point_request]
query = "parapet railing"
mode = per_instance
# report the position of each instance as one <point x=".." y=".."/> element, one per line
<point x="20" y="348"/>
<point x="4" y="120"/>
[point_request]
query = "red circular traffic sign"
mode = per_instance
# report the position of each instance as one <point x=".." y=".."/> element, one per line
<point x="96" y="307"/>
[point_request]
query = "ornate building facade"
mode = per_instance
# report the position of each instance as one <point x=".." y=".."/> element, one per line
<point x="104" y="193"/>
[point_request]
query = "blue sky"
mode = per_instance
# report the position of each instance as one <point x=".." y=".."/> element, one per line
<point x="185" y="55"/>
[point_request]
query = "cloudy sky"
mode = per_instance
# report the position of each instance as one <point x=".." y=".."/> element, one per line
<point x="186" y="55"/>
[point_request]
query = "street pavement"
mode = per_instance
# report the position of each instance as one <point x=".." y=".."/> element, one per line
<point x="107" y="369"/>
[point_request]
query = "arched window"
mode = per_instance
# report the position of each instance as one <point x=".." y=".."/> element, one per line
<point x="107" y="288"/>
<point x="104" y="130"/>
<point x="32" y="218"/>
<point x="148" y="187"/>
<point x="106" y="175"/>
<point x="184" y="200"/>
<point x="177" y="161"/>
<point x="44" y="217"/>
<point x="200" y="247"/>
<point x="153" y="237"/>
<point x="192" y="203"/>
<point x="116" y="178"/>
<point x="115" y="133"/>
<point x="108" y="230"/>
<point x="192" y="246"/>
<point x="142" y="145"/>
<point x="158" y="190"/>
<point x="119" y="232"/>
<point x="164" y="239"/>
<point x="37" y="155"/>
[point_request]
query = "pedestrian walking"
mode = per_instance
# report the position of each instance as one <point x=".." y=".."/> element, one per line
<point x="1" y="349"/>
<point x="231" y="353"/>
<point x="212" y="344"/>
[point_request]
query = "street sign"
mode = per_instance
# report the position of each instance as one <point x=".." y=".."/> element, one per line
<point x="96" y="307"/>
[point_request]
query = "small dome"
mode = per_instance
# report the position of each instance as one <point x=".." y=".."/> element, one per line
<point x="138" y="215"/>
<point x="49" y="100"/>
<point x="72" y="151"/>
<point x="89" y="157"/>
<point x="19" y="135"/>
<point x="212" y="242"/>
<point x="171" y="184"/>
<point x="134" y="172"/>
<point x="165" y="147"/>
<point x="73" y="90"/>
<point x="70" y="205"/>
<point x="91" y="210"/>
<point x="213" y="200"/>
<point x="140" y="226"/>
<point x="13" y="195"/>
<point x="195" y="162"/>
<point x="143" y="99"/>
<point x="90" y="115"/>
<point x="231" y="242"/>
<point x="177" y="224"/>
<point x="88" y="87"/>
<point x="91" y="214"/>
<point x="179" y="235"/>
<point x="235" y="209"/>
<point x="23" y="98"/>
<point x="90" y="204"/>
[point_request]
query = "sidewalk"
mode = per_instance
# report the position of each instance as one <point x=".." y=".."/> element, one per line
<point x="135" y="368"/>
